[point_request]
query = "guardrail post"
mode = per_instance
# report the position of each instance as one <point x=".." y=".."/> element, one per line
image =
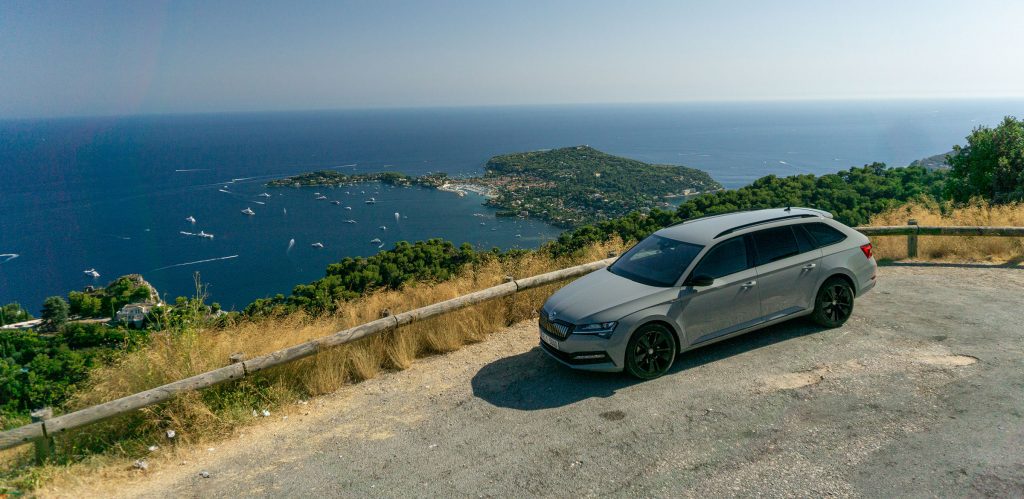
<point x="44" y="445"/>
<point x="912" y="240"/>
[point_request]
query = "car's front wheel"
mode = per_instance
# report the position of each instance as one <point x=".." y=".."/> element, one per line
<point x="650" y="352"/>
<point x="834" y="303"/>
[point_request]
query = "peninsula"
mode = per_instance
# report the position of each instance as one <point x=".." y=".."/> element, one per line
<point x="567" y="187"/>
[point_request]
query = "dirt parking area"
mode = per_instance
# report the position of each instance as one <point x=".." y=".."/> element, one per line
<point x="921" y="393"/>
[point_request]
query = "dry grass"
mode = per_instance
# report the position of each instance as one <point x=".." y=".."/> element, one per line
<point x="216" y="412"/>
<point x="953" y="248"/>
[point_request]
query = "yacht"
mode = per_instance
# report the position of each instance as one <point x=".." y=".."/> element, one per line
<point x="348" y="207"/>
<point x="321" y="197"/>
<point x="91" y="273"/>
<point x="375" y="241"/>
<point x="383" y="227"/>
<point x="350" y="221"/>
<point x="371" y="201"/>
<point x="203" y="234"/>
<point x="264" y="195"/>
<point x="336" y="203"/>
<point x="190" y="219"/>
<point x="317" y="245"/>
<point x="248" y="211"/>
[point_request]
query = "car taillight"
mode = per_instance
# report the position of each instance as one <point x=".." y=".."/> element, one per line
<point x="867" y="250"/>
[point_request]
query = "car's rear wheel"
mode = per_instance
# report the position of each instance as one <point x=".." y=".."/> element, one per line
<point x="834" y="303"/>
<point x="650" y="352"/>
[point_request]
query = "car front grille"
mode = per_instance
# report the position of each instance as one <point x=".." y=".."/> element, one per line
<point x="555" y="329"/>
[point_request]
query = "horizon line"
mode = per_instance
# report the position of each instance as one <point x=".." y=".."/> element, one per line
<point x="512" y="106"/>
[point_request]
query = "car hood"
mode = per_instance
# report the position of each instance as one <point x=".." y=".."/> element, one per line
<point x="602" y="296"/>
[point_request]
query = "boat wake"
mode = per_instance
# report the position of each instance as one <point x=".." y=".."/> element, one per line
<point x="291" y="244"/>
<point x="6" y="257"/>
<point x="195" y="262"/>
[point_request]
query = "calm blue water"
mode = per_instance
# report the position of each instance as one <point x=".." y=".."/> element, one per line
<point x="107" y="192"/>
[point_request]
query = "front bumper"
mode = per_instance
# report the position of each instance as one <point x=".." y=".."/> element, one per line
<point x="586" y="352"/>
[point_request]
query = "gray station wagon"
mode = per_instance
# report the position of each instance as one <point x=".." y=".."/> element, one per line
<point x="705" y="280"/>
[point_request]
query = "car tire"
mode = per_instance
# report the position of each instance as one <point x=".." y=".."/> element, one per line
<point x="650" y="352"/>
<point x="833" y="304"/>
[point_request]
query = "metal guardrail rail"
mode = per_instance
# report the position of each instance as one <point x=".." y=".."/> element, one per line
<point x="42" y="430"/>
<point x="912" y="230"/>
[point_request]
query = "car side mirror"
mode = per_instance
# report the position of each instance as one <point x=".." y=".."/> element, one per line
<point x="700" y="280"/>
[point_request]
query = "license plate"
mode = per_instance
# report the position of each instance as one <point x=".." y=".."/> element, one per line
<point x="549" y="340"/>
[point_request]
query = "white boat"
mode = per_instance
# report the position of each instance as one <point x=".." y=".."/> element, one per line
<point x="190" y="219"/>
<point x="375" y="241"/>
<point x="264" y="195"/>
<point x="383" y="227"/>
<point x="336" y="202"/>
<point x="397" y="216"/>
<point x="317" y="245"/>
<point x="350" y="221"/>
<point x="248" y="211"/>
<point x="321" y="197"/>
<point x="203" y="234"/>
<point x="316" y="193"/>
<point x="91" y="273"/>
<point x="224" y="191"/>
<point x="348" y="207"/>
<point x="371" y="201"/>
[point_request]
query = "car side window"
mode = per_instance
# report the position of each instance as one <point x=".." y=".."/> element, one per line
<point x="823" y="234"/>
<point x="775" y="244"/>
<point x="727" y="257"/>
<point x="803" y="239"/>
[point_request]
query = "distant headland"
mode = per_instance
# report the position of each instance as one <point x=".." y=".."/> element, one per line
<point x="567" y="187"/>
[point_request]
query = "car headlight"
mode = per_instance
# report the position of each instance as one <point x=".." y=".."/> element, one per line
<point x="602" y="329"/>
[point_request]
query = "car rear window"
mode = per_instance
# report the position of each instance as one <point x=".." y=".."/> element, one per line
<point x="775" y="244"/>
<point x="823" y="234"/>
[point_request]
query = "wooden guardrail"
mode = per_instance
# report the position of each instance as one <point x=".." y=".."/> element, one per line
<point x="43" y="428"/>
<point x="912" y="230"/>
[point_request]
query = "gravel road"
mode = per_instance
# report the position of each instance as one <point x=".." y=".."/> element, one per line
<point x="921" y="393"/>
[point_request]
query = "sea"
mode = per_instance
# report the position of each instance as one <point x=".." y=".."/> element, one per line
<point x="113" y="194"/>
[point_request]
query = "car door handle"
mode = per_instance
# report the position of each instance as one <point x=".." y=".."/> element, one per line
<point x="810" y="266"/>
<point x="749" y="284"/>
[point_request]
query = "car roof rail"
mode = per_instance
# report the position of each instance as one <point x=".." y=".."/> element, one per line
<point x="767" y="221"/>
<point x="703" y="217"/>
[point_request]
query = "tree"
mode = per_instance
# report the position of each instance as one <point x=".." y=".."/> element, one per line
<point x="13" y="312"/>
<point x="991" y="165"/>
<point x="55" y="312"/>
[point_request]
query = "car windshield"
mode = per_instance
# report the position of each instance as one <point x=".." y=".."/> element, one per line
<point x="656" y="261"/>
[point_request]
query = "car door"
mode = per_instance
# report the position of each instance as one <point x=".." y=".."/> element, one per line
<point x="788" y="265"/>
<point x="731" y="302"/>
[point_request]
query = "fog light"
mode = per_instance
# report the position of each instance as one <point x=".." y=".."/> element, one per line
<point x="588" y="356"/>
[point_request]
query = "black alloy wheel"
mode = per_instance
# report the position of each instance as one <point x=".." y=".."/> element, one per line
<point x="650" y="352"/>
<point x="834" y="303"/>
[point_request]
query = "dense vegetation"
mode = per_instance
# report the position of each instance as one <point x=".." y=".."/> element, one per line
<point x="38" y="370"/>
<point x="852" y="196"/>
<point x="991" y="165"/>
<point x="432" y="260"/>
<point x="106" y="301"/>
<point x="573" y="186"/>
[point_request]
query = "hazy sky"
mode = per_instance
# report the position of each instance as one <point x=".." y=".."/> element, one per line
<point x="90" y="57"/>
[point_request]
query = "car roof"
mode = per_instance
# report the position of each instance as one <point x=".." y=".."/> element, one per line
<point x="706" y="230"/>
